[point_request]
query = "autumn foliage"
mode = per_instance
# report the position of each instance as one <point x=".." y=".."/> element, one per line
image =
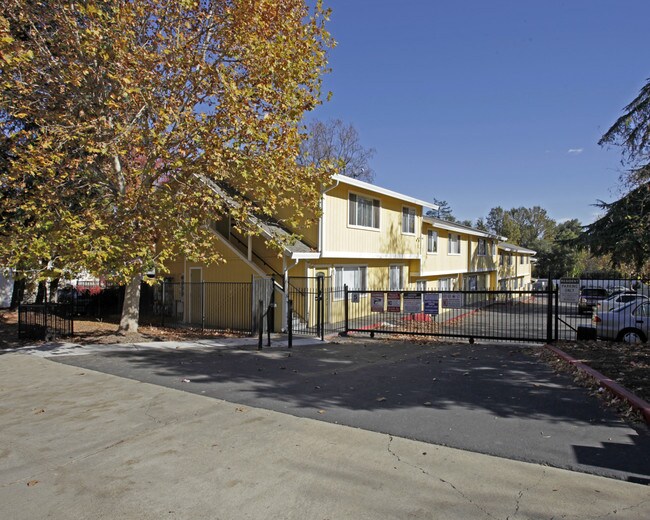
<point x="113" y="113"/>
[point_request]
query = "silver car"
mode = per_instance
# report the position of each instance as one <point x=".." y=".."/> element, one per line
<point x="618" y="300"/>
<point x="629" y="323"/>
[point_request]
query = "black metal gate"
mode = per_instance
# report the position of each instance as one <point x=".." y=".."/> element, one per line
<point x="41" y="321"/>
<point x="311" y="303"/>
<point x="493" y="315"/>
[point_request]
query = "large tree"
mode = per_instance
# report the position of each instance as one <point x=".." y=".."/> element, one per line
<point x="337" y="145"/>
<point x="528" y="227"/>
<point x="119" y="115"/>
<point x="631" y="132"/>
<point x="624" y="229"/>
<point x="623" y="232"/>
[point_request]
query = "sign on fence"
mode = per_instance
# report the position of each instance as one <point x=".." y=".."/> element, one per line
<point x="377" y="302"/>
<point x="394" y="302"/>
<point x="432" y="303"/>
<point x="569" y="290"/>
<point x="412" y="302"/>
<point x="452" y="300"/>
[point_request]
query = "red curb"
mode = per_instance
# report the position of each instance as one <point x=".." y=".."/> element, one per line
<point x="611" y="385"/>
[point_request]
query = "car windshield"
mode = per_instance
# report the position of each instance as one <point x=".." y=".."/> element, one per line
<point x="594" y="292"/>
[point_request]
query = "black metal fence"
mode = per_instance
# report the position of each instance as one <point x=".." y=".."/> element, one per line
<point x="555" y="310"/>
<point x="44" y="321"/>
<point x="604" y="308"/>
<point x="495" y="315"/>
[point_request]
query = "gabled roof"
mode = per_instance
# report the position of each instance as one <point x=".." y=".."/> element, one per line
<point x="461" y="228"/>
<point x="382" y="191"/>
<point x="515" y="249"/>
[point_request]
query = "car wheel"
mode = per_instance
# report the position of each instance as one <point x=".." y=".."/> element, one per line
<point x="631" y="336"/>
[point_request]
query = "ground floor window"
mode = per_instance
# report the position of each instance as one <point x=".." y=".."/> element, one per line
<point x="396" y="278"/>
<point x="353" y="276"/>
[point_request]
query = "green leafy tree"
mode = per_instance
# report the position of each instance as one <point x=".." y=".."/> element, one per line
<point x="631" y="132"/>
<point x="562" y="256"/>
<point x="623" y="232"/>
<point x="120" y="114"/>
<point x="443" y="212"/>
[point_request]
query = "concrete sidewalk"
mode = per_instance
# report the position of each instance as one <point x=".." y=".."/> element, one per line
<point x="81" y="444"/>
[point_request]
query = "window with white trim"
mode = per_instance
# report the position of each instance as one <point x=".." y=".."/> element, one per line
<point x="521" y="260"/>
<point x="408" y="220"/>
<point x="396" y="278"/>
<point x="363" y="211"/>
<point x="432" y="241"/>
<point x="453" y="247"/>
<point x="354" y="276"/>
<point x="445" y="284"/>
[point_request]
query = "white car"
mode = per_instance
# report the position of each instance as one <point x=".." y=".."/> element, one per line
<point x="629" y="323"/>
<point x="618" y="300"/>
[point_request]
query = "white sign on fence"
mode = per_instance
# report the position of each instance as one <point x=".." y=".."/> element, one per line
<point x="569" y="290"/>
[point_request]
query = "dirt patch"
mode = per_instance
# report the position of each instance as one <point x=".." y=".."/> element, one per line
<point x="89" y="331"/>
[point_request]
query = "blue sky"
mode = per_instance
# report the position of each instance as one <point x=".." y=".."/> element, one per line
<point x="489" y="103"/>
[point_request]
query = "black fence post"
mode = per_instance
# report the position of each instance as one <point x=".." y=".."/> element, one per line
<point x="290" y="323"/>
<point x="549" y="310"/>
<point x="260" y="324"/>
<point x="319" y="305"/>
<point x="557" y="314"/>
<point x="346" y="309"/>
<point x="269" y="316"/>
<point x="162" y="309"/>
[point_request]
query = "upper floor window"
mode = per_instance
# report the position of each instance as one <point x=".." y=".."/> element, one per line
<point x="521" y="259"/>
<point x="509" y="259"/>
<point x="454" y="244"/>
<point x="482" y="247"/>
<point x="432" y="241"/>
<point x="408" y="220"/>
<point x="363" y="211"/>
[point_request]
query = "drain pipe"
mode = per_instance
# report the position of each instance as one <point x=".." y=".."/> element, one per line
<point x="285" y="272"/>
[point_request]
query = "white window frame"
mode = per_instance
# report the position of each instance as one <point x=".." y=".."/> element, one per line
<point x="409" y="215"/>
<point x="432" y="234"/>
<point x="450" y="242"/>
<point x="339" y="288"/>
<point x="353" y="216"/>
<point x="400" y="286"/>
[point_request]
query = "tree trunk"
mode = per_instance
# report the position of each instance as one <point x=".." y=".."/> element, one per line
<point x="18" y="293"/>
<point x="40" y="293"/>
<point x="131" y="306"/>
<point x="54" y="286"/>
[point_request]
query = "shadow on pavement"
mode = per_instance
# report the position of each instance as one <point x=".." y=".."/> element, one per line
<point x="493" y="399"/>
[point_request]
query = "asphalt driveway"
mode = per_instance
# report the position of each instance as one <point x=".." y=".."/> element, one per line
<point x="488" y="398"/>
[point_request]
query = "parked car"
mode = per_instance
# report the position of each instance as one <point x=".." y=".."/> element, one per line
<point x="616" y="300"/>
<point x="589" y="298"/>
<point x="629" y="322"/>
